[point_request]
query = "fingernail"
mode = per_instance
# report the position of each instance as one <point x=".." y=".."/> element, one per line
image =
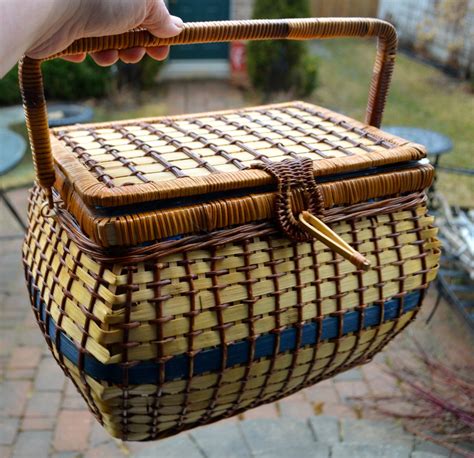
<point x="177" y="21"/>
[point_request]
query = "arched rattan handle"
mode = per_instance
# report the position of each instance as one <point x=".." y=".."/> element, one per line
<point x="31" y="81"/>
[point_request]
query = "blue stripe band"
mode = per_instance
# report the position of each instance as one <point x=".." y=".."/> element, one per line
<point x="209" y="360"/>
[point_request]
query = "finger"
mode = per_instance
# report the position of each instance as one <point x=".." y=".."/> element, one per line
<point x="158" y="52"/>
<point x="132" y="55"/>
<point x="76" y="58"/>
<point x="105" y="58"/>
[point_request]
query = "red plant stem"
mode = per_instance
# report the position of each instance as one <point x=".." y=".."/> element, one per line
<point x="403" y="415"/>
<point x="460" y="413"/>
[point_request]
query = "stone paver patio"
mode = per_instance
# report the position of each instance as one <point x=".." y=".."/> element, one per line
<point x="41" y="414"/>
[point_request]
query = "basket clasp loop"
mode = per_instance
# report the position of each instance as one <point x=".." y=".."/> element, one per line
<point x="297" y="175"/>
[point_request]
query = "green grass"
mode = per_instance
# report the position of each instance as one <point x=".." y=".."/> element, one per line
<point x="420" y="96"/>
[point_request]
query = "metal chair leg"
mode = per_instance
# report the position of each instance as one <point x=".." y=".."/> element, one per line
<point x="12" y="210"/>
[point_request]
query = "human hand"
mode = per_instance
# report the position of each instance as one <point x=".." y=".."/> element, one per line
<point x="87" y="18"/>
<point x="40" y="28"/>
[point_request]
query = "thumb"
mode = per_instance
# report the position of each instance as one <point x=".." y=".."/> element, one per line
<point x="160" y="23"/>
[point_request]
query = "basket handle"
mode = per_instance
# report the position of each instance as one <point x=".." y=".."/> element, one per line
<point x="31" y="80"/>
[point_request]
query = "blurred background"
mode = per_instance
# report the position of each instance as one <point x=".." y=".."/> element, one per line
<point x="433" y="85"/>
<point x="431" y="101"/>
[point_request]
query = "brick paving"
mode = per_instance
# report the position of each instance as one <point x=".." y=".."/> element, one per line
<point x="41" y="413"/>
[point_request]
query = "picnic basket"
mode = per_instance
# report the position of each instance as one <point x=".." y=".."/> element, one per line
<point x="184" y="269"/>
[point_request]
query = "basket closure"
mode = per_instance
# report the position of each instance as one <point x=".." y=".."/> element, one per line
<point x="327" y="236"/>
<point x="297" y="174"/>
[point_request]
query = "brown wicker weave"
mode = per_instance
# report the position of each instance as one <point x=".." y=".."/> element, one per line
<point x="184" y="269"/>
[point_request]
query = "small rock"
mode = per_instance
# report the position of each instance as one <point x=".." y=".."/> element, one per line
<point x="314" y="450"/>
<point x="423" y="446"/>
<point x="218" y="440"/>
<point x="374" y="432"/>
<point x="427" y="455"/>
<point x="349" y="376"/>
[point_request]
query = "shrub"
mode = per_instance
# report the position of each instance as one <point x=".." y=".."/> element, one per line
<point x="9" y="91"/>
<point x="62" y="81"/>
<point x="138" y="76"/>
<point x="68" y="81"/>
<point x="281" y="65"/>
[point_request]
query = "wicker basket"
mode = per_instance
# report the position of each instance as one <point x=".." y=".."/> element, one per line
<point x="184" y="269"/>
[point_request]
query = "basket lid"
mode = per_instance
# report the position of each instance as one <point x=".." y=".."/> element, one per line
<point x="144" y="160"/>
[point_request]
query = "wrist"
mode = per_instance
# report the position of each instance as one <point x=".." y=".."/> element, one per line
<point x="55" y="18"/>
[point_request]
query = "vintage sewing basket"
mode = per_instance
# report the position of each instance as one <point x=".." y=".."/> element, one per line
<point x="184" y="269"/>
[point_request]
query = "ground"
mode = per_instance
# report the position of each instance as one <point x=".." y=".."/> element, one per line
<point x="42" y="413"/>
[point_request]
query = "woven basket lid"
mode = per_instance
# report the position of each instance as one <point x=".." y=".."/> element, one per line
<point x="127" y="162"/>
<point x="146" y="179"/>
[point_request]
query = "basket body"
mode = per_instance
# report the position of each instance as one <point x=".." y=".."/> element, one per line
<point x="181" y="333"/>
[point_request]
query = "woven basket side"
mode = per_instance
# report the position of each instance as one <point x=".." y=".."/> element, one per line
<point x="165" y="337"/>
<point x="251" y="262"/>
